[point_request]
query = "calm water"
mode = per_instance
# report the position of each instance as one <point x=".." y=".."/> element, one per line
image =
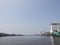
<point x="29" y="40"/>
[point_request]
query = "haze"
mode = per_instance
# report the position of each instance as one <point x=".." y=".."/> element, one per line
<point x="28" y="16"/>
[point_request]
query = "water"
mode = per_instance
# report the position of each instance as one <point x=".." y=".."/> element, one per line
<point x="29" y="40"/>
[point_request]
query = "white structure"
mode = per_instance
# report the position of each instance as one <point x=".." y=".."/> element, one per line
<point x="54" y="27"/>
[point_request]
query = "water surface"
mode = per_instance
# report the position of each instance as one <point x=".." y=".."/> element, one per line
<point x="29" y="40"/>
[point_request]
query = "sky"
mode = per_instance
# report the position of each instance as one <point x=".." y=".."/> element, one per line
<point x="28" y="16"/>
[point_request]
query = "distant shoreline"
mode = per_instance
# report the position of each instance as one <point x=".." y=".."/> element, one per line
<point x="5" y="34"/>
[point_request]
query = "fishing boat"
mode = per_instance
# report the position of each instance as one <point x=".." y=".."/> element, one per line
<point x="55" y="29"/>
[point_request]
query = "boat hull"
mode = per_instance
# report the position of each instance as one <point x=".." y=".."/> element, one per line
<point x="56" y="34"/>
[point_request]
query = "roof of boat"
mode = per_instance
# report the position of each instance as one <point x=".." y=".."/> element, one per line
<point x="55" y="23"/>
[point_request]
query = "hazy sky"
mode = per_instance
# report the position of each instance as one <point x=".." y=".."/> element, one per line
<point x="28" y="16"/>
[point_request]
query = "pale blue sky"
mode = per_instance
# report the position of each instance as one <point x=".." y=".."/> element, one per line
<point x="28" y="16"/>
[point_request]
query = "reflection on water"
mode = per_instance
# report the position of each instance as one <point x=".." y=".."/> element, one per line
<point x="55" y="40"/>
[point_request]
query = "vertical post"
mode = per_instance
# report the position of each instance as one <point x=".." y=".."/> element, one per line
<point x="51" y="30"/>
